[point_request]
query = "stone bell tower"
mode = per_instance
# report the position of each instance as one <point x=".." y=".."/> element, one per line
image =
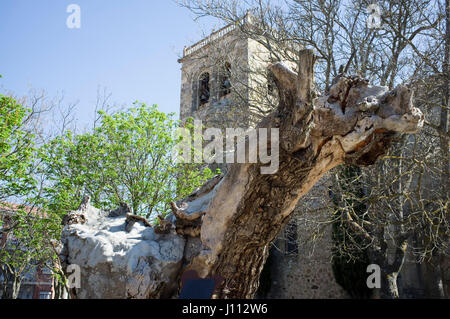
<point x="223" y="78"/>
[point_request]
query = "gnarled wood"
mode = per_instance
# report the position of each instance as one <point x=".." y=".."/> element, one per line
<point x="237" y="215"/>
<point x="353" y="124"/>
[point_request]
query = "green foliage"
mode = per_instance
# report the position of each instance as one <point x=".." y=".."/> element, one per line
<point x="30" y="234"/>
<point x="128" y="158"/>
<point x="31" y="241"/>
<point x="16" y="149"/>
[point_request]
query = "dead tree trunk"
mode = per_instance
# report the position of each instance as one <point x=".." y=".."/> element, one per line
<point x="224" y="229"/>
<point x="353" y="124"/>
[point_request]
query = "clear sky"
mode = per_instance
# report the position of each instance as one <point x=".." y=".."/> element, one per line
<point x="130" y="47"/>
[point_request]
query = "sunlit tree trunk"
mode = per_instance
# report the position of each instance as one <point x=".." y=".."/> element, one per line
<point x="249" y="208"/>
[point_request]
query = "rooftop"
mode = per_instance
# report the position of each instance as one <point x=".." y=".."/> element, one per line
<point x="215" y="35"/>
<point x="10" y="208"/>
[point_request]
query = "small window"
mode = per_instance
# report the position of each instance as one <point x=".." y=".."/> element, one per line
<point x="203" y="89"/>
<point x="224" y="78"/>
<point x="45" y="295"/>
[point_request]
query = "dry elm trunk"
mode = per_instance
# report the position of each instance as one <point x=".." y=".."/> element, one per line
<point x="354" y="123"/>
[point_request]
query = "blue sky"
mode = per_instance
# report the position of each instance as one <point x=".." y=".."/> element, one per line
<point x="130" y="47"/>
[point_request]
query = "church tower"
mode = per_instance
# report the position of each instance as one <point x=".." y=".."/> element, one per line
<point x="223" y="78"/>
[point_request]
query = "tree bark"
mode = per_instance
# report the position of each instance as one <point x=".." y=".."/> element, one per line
<point x="12" y="288"/>
<point x="61" y="291"/>
<point x="389" y="286"/>
<point x="17" y="283"/>
<point x="353" y="124"/>
<point x="237" y="215"/>
<point x="390" y="271"/>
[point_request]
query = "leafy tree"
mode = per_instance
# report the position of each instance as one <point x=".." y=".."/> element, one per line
<point x="28" y="231"/>
<point x="31" y="245"/>
<point x="128" y="158"/>
<point x="16" y="149"/>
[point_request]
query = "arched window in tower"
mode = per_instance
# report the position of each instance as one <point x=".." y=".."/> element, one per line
<point x="203" y="88"/>
<point x="224" y="78"/>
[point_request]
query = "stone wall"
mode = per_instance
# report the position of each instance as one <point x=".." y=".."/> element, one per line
<point x="307" y="273"/>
